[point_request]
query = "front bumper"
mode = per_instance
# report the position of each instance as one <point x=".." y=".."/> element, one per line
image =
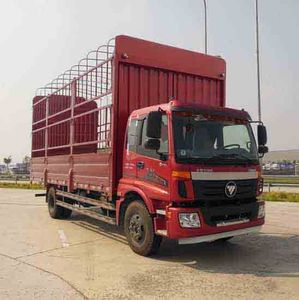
<point x="172" y="229"/>
<point x="217" y="236"/>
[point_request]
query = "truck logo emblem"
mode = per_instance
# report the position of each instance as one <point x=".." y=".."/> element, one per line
<point x="230" y="189"/>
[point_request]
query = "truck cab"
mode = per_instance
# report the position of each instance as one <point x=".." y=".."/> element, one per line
<point x="195" y="169"/>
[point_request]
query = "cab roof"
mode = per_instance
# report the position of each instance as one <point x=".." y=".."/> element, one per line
<point x="179" y="106"/>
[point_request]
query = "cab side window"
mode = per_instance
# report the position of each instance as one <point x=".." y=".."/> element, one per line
<point x="163" y="140"/>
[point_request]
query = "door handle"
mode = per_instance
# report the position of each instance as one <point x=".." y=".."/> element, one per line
<point x="140" y="165"/>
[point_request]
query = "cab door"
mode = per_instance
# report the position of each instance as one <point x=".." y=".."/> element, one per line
<point x="152" y="166"/>
<point x="130" y="155"/>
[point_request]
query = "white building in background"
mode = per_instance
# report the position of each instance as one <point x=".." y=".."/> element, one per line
<point x="267" y="167"/>
<point x="2" y="168"/>
<point x="275" y="166"/>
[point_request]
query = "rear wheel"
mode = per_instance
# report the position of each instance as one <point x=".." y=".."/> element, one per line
<point x="55" y="211"/>
<point x="139" y="230"/>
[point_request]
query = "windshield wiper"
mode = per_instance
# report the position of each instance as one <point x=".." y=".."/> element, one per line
<point x="231" y="157"/>
<point x="221" y="156"/>
<point x="193" y="159"/>
<point x="190" y="159"/>
<point x="242" y="156"/>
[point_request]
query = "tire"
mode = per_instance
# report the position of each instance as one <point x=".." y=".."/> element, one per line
<point x="56" y="212"/>
<point x="139" y="230"/>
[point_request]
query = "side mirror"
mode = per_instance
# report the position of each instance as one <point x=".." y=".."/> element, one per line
<point x="154" y="120"/>
<point x="262" y="135"/>
<point x="152" y="144"/>
<point x="263" y="149"/>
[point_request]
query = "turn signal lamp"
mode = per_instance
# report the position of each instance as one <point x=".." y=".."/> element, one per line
<point x="181" y="174"/>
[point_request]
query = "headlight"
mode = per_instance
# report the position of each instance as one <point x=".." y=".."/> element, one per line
<point x="261" y="213"/>
<point x="189" y="220"/>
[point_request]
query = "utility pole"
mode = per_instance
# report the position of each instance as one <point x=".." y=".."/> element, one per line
<point x="258" y="61"/>
<point x="206" y="26"/>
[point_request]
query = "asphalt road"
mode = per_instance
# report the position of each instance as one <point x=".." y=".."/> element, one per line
<point x="42" y="258"/>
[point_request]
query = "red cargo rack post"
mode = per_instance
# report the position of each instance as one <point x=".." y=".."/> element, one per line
<point x="73" y="100"/>
<point x="46" y="140"/>
<point x="72" y="133"/>
<point x="46" y="127"/>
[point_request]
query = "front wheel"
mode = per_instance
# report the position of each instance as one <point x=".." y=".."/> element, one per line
<point x="139" y="230"/>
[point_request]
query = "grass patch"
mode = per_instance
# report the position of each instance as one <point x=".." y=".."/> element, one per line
<point x="286" y="180"/>
<point x="26" y="186"/>
<point x="280" y="197"/>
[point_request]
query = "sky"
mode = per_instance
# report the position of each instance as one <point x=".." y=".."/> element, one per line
<point x="40" y="39"/>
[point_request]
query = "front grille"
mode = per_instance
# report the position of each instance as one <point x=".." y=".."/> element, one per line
<point x="231" y="217"/>
<point x="217" y="207"/>
<point x="214" y="215"/>
<point x="212" y="193"/>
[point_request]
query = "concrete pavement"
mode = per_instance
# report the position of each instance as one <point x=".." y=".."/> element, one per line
<point x="79" y="258"/>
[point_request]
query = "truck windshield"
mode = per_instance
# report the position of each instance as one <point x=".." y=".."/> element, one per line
<point x="198" y="138"/>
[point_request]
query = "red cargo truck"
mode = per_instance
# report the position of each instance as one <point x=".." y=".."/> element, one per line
<point x="137" y="135"/>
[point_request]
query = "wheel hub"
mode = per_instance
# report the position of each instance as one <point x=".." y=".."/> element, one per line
<point x="136" y="228"/>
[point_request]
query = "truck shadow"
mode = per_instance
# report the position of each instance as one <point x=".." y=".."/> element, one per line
<point x="112" y="232"/>
<point x="259" y="254"/>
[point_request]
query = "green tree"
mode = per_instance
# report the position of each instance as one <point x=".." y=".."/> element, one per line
<point x="7" y="161"/>
<point x="26" y="161"/>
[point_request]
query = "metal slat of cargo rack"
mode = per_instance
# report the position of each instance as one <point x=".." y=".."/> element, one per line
<point x="88" y="213"/>
<point x="86" y="200"/>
